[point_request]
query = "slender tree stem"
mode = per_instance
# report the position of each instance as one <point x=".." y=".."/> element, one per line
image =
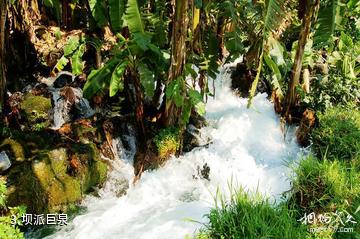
<point x="178" y="55"/>
<point x="290" y="99"/>
<point x="3" y="6"/>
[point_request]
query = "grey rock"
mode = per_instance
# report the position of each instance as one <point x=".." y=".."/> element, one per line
<point x="5" y="162"/>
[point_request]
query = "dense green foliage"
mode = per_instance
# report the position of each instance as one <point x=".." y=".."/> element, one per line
<point x="337" y="79"/>
<point x="167" y="142"/>
<point x="135" y="53"/>
<point x="332" y="90"/>
<point x="7" y="229"/>
<point x="338" y="134"/>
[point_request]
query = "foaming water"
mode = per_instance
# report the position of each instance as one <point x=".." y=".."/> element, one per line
<point x="248" y="148"/>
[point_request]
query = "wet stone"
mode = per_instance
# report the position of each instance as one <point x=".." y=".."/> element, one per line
<point x="4" y="162"/>
<point x="63" y="79"/>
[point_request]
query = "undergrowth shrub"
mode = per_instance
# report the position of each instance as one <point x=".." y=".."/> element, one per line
<point x="330" y="91"/>
<point x="167" y="142"/>
<point x="7" y="229"/>
<point x="251" y="216"/>
<point x="338" y="134"/>
<point x="323" y="186"/>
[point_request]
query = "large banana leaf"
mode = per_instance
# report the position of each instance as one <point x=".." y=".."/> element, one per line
<point x="98" y="11"/>
<point x="116" y="83"/>
<point x="77" y="64"/>
<point x="116" y="12"/>
<point x="53" y="5"/>
<point x="274" y="15"/>
<point x="327" y="21"/>
<point x="146" y="79"/>
<point x="100" y="78"/>
<point x="133" y="18"/>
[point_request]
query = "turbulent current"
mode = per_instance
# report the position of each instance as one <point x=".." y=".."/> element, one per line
<point x="248" y="149"/>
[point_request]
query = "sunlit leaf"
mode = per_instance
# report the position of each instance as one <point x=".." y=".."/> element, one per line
<point x="197" y="101"/>
<point x="116" y="83"/>
<point x="71" y="45"/>
<point x="346" y="44"/>
<point x="100" y="78"/>
<point x="63" y="61"/>
<point x="133" y="18"/>
<point x="77" y="64"/>
<point x="174" y="92"/>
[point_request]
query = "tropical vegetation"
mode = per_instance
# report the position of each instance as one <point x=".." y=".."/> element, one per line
<point x="154" y="64"/>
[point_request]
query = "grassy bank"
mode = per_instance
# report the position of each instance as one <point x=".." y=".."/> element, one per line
<point x="325" y="191"/>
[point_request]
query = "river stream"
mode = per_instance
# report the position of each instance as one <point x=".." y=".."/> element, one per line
<point x="247" y="149"/>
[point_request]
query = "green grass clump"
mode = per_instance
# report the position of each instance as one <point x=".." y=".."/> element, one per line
<point x="324" y="186"/>
<point x="167" y="142"/>
<point x="338" y="134"/>
<point x="251" y="216"/>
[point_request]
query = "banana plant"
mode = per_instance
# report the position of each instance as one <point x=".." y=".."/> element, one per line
<point x="346" y="57"/>
<point x="328" y="20"/>
<point x="108" y="13"/>
<point x="277" y="61"/>
<point x="312" y="7"/>
<point x="333" y="17"/>
<point x="274" y="15"/>
<point x="74" y="49"/>
<point x="137" y="53"/>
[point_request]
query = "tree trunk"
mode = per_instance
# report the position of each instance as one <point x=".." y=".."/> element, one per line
<point x="3" y="6"/>
<point x="139" y="106"/>
<point x="290" y="99"/>
<point x="66" y="18"/>
<point x="178" y="56"/>
<point x="220" y="36"/>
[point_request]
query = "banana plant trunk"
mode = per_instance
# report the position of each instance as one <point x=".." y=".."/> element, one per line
<point x="3" y="7"/>
<point x="139" y="106"/>
<point x="290" y="100"/>
<point x="178" y="56"/>
<point x="66" y="15"/>
<point x="220" y="32"/>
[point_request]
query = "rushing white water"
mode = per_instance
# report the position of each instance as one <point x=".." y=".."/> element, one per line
<point x="248" y="148"/>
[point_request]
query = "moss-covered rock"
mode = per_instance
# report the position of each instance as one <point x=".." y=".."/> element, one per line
<point x="53" y="170"/>
<point x="36" y="111"/>
<point x="15" y="147"/>
<point x="49" y="183"/>
<point x="157" y="150"/>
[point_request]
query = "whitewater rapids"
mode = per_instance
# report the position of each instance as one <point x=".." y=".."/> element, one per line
<point x="248" y="148"/>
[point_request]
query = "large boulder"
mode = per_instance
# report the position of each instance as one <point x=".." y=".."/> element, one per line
<point x="50" y="172"/>
<point x="36" y="109"/>
<point x="56" y="179"/>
